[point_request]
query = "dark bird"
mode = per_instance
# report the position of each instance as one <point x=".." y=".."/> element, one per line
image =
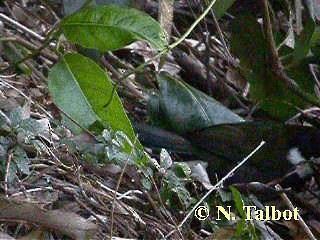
<point x="223" y="146"/>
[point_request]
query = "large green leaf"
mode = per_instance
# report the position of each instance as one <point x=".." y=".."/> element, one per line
<point x="112" y="27"/>
<point x="186" y="109"/>
<point x="82" y="89"/>
<point x="272" y="94"/>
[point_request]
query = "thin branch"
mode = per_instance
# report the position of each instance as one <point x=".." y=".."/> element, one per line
<point x="21" y="27"/>
<point x="291" y="207"/>
<point x="192" y="27"/>
<point x="298" y="11"/>
<point x="47" y="42"/>
<point x="217" y="186"/>
<point x="166" y="16"/>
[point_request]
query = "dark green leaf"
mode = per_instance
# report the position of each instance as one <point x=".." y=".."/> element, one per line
<point x="221" y="6"/>
<point x="112" y="27"/>
<point x="182" y="170"/>
<point x="238" y="202"/>
<point x="21" y="160"/>
<point x="186" y="108"/>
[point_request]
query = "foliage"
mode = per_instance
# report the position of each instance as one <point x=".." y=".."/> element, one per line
<point x="112" y="27"/>
<point x="82" y="89"/>
<point x="265" y="78"/>
<point x="185" y="109"/>
<point x="21" y="137"/>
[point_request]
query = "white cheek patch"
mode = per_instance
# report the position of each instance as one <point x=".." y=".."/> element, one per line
<point x="294" y="156"/>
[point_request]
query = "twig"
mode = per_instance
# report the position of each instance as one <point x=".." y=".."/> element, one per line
<point x="169" y="214"/>
<point x="47" y="41"/>
<point x="125" y="195"/>
<point x="164" y="51"/>
<point x="31" y="46"/>
<point x="216" y="186"/>
<point x="166" y="16"/>
<point x="4" y="83"/>
<point x="33" y="190"/>
<point x="173" y="45"/>
<point x="291" y="207"/>
<point x="298" y="11"/>
<point x="220" y="34"/>
<point x="21" y="27"/>
<point x="192" y="27"/>
<point x="7" y="174"/>
<point x="274" y="58"/>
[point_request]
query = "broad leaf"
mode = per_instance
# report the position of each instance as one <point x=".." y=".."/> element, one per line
<point x="82" y="89"/>
<point x="112" y="27"/>
<point x="186" y="108"/>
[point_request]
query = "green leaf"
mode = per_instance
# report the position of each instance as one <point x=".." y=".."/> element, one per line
<point x="81" y="88"/>
<point x="221" y="6"/>
<point x="238" y="202"/>
<point x="186" y="108"/>
<point x="112" y="27"/>
<point x="17" y="115"/>
<point x="21" y="160"/>
<point x="182" y="170"/>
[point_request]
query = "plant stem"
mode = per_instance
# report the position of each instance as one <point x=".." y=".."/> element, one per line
<point x="192" y="27"/>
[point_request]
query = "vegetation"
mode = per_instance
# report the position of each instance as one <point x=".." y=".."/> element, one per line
<point x="78" y="79"/>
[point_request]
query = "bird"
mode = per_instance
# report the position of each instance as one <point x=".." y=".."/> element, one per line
<point x="223" y="146"/>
